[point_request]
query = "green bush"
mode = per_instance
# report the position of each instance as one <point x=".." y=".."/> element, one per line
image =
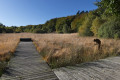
<point x="84" y="30"/>
<point x="39" y="31"/>
<point x="65" y="28"/>
<point x="97" y="22"/>
<point x="110" y="29"/>
<point x="78" y="21"/>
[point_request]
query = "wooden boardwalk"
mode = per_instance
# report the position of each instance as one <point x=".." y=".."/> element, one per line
<point x="28" y="65"/>
<point x="104" y="69"/>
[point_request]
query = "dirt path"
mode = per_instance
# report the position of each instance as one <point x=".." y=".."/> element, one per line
<point x="104" y="69"/>
<point x="28" y="65"/>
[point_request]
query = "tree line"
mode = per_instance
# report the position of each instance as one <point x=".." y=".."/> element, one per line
<point x="102" y="22"/>
<point x="59" y="25"/>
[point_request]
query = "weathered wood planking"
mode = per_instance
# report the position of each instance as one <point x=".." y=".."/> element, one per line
<point x="104" y="69"/>
<point x="28" y="65"/>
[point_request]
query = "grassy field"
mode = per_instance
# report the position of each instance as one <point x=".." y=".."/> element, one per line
<point x="61" y="49"/>
<point x="8" y="44"/>
<point x="69" y="49"/>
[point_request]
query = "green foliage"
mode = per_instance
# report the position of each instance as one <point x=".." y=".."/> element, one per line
<point x="39" y="31"/>
<point x="64" y="22"/>
<point x="78" y="21"/>
<point x="110" y="29"/>
<point x="65" y="28"/>
<point x="9" y="30"/>
<point x="110" y="6"/>
<point x="28" y="28"/>
<point x="84" y="30"/>
<point x="97" y="22"/>
<point x="49" y="26"/>
<point x="59" y="24"/>
<point x="2" y="28"/>
<point x="67" y="24"/>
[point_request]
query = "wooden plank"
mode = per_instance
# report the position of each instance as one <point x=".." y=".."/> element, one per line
<point x="28" y="65"/>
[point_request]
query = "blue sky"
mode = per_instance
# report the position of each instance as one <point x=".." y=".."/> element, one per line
<point x="33" y="12"/>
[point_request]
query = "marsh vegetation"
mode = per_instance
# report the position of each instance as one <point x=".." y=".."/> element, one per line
<point x="69" y="49"/>
<point x="60" y="49"/>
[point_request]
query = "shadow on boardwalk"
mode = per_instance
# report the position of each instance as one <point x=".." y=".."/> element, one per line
<point x="28" y="65"/>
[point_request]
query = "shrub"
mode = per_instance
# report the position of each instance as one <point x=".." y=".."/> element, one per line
<point x="97" y="22"/>
<point x="39" y="31"/>
<point x="110" y="29"/>
<point x="78" y="21"/>
<point x="84" y="30"/>
<point x="65" y="28"/>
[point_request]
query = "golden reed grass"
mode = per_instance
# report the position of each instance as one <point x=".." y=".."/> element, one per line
<point x="8" y="44"/>
<point x="69" y="49"/>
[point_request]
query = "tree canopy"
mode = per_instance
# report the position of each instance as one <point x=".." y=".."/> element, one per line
<point x="110" y="6"/>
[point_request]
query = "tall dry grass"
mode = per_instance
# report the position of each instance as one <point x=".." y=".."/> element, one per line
<point x="8" y="44"/>
<point x="69" y="49"/>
